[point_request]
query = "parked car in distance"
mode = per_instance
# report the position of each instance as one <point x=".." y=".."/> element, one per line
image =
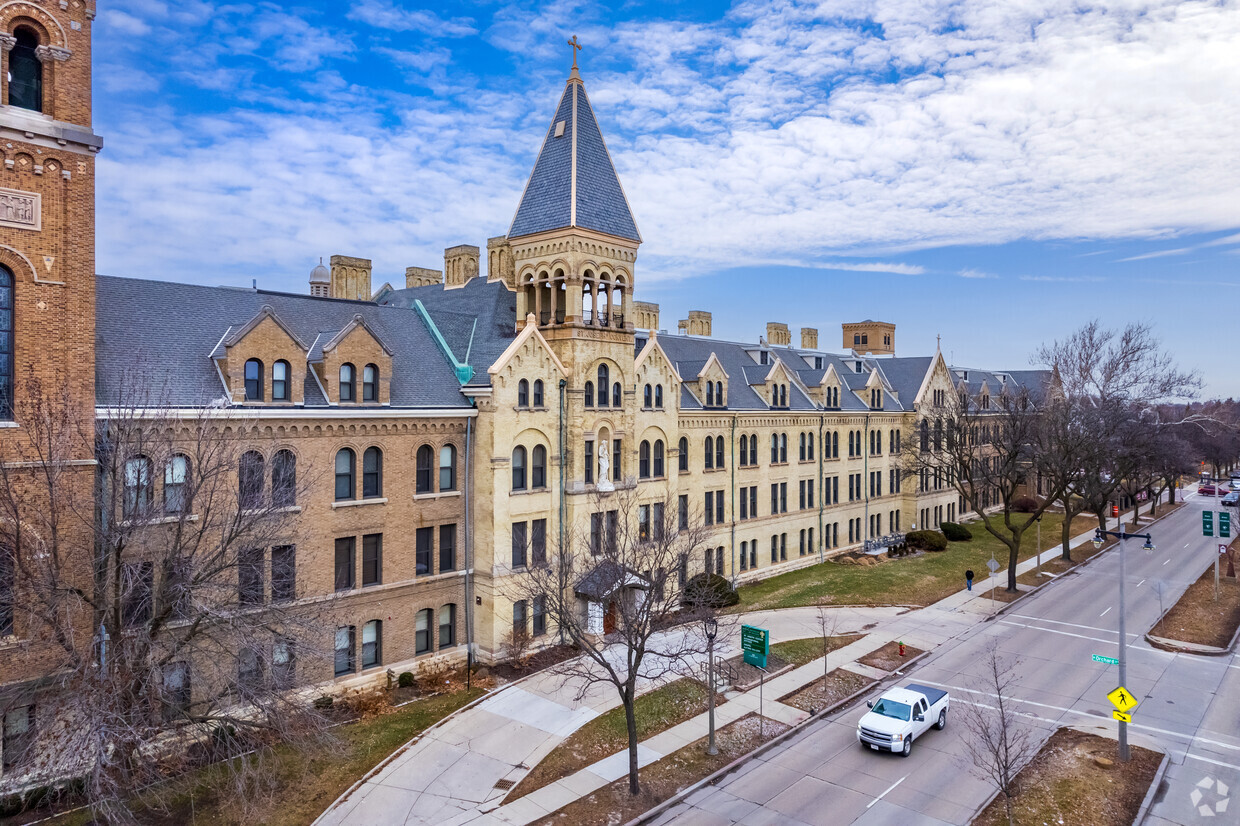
<point x="901" y="715"/>
<point x="1232" y="500"/>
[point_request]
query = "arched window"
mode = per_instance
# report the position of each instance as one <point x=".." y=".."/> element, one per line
<point x="538" y="393"/>
<point x="648" y="396"/>
<point x="783" y="395"/>
<point x="801" y="455"/>
<point x="811" y="446"/>
<point x="719" y="399"/>
<point x="372" y="473"/>
<point x="447" y="626"/>
<point x="783" y="447"/>
<point x="589" y="394"/>
<point x="925" y="436"/>
<point x="370" y="383"/>
<point x="518" y="468"/>
<point x="425" y="469"/>
<point x="447" y="467"/>
<point x="279" y="381"/>
<point x="6" y="342"/>
<point x="774" y="448"/>
<point x="284" y="479"/>
<point x="719" y="452"/>
<point x="137" y="487"/>
<point x="538" y="468"/>
<point x="753" y="449"/>
<point x="658" y="458"/>
<point x="708" y="457"/>
<point x="250" y="480"/>
<point x="658" y="396"/>
<point x="643" y="459"/>
<point x="523" y="393"/>
<point x="345" y="466"/>
<point x="710" y="394"/>
<point x="774" y="396"/>
<point x="604" y="381"/>
<point x="744" y="449"/>
<point x="253" y="380"/>
<point x="850" y="443"/>
<point x="615" y="394"/>
<point x="176" y="490"/>
<point x="25" y="71"/>
<point x="348" y="383"/>
<point x="835" y="444"/>
<point x="682" y="461"/>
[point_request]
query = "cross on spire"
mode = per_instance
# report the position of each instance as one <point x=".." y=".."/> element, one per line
<point x="576" y="48"/>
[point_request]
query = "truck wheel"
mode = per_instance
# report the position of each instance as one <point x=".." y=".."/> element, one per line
<point x="942" y="723"/>
<point x="908" y="747"/>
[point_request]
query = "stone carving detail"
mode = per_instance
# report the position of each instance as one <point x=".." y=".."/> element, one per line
<point x="21" y="209"/>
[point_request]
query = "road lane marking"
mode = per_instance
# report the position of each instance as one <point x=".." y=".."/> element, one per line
<point x="1069" y="624"/>
<point x="1139" y="584"/>
<point x="1084" y="637"/>
<point x="1166" y="561"/>
<point x="1104" y="613"/>
<point x="884" y="794"/>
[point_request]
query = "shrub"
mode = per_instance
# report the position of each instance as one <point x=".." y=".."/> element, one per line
<point x="926" y="540"/>
<point x="1024" y="504"/>
<point x="323" y="703"/>
<point x="405" y="679"/>
<point x="955" y="532"/>
<point x="709" y="591"/>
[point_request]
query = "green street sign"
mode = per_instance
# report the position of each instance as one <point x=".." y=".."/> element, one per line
<point x="1207" y="523"/>
<point x="1098" y="658"/>
<point x="1224" y="524"/>
<point x="756" y="643"/>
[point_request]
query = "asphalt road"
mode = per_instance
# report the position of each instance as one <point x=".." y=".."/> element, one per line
<point x="1190" y="708"/>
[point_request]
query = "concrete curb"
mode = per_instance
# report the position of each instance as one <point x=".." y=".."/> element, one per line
<point x="1182" y="647"/>
<point x="710" y="779"/>
<point x="1148" y="800"/>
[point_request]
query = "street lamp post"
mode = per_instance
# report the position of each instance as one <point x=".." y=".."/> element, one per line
<point x="1121" y="534"/>
<point x="712" y="628"/>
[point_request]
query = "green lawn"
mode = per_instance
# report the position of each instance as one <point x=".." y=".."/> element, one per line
<point x="800" y="652"/>
<point x="910" y="581"/>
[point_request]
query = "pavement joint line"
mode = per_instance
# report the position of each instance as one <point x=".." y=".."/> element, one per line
<point x="1191" y="738"/>
<point x="884" y="794"/>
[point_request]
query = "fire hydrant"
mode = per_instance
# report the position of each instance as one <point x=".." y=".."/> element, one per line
<point x="901" y="649"/>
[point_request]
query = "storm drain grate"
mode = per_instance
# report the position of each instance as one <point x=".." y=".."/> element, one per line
<point x="505" y="785"/>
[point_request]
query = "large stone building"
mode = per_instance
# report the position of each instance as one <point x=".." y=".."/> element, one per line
<point x="453" y="430"/>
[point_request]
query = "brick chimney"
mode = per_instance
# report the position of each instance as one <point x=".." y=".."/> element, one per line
<point x="778" y="334"/>
<point x="460" y="264"/>
<point x="645" y="315"/>
<point x="809" y="338"/>
<point x="697" y="324"/>
<point x="350" y="277"/>
<point x="422" y="277"/>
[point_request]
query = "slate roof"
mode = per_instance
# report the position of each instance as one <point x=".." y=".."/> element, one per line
<point x="163" y="333"/>
<point x="605" y="578"/>
<point x="478" y="320"/>
<point x="561" y="194"/>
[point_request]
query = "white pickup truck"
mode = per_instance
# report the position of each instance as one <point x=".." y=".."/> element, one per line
<point x="900" y="716"/>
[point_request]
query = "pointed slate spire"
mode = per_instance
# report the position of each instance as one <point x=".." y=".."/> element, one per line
<point x="574" y="184"/>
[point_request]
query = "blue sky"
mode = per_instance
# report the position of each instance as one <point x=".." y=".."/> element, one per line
<point x="996" y="173"/>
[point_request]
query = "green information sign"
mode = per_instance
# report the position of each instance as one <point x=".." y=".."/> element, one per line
<point x="1224" y="524"/>
<point x="756" y="644"/>
<point x="1098" y="658"/>
<point x="1207" y="523"/>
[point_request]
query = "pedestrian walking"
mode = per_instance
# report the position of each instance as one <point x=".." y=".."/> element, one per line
<point x="968" y="579"/>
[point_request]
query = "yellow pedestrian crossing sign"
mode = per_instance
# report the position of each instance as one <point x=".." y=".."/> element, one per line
<point x="1121" y="716"/>
<point x="1122" y="700"/>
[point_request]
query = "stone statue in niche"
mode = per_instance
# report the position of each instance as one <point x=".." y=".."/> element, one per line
<point x="604" y="470"/>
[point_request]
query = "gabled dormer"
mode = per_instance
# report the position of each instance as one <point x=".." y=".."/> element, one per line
<point x="527" y="372"/>
<point x="776" y="386"/>
<point x="711" y="387"/>
<point x="261" y="361"/>
<point x="353" y="365"/>
<point x="829" y="389"/>
<point x="873" y="391"/>
<point x="658" y="381"/>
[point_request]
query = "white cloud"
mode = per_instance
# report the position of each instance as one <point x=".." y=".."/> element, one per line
<point x="972" y="273"/>
<point x="1158" y="254"/>
<point x="898" y="269"/>
<point x="385" y="14"/>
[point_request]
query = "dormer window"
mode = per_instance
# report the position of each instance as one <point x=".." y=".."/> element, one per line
<point x="876" y="399"/>
<point x="710" y="394"/>
<point x="253" y="380"/>
<point x="658" y="397"/>
<point x="986" y="401"/>
<point x="370" y="383"/>
<point x="348" y="383"/>
<point x="279" y="381"/>
<point x="817" y="362"/>
<point x="538" y="393"/>
<point x="764" y="357"/>
<point x="25" y="71"/>
<point x="857" y="365"/>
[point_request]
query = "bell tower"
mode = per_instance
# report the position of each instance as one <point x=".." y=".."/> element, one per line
<point x="47" y="200"/>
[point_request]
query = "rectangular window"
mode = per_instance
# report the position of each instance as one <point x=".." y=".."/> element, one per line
<point x="372" y="559"/>
<point x="447" y="626"/>
<point x="372" y="644"/>
<point x="596" y="533"/>
<point x="709" y="514"/>
<point x="744" y="556"/>
<point x="719" y="507"/>
<point x="809" y="487"/>
<point x="710" y="561"/>
<point x="538" y="541"/>
<point x="345" y="640"/>
<point x="283" y="573"/>
<point x="810" y="546"/>
<point x="783" y="497"/>
<point x="520" y="623"/>
<point x="835" y="489"/>
<point x="19" y="734"/>
<point x="682" y="570"/>
<point x="589" y="463"/>
<point x="540" y="616"/>
<point x="344" y="563"/>
<point x="8" y="587"/>
<point x="615" y="460"/>
<point x="643" y="522"/>
<point x="249" y="669"/>
<point x="774" y="548"/>
<point x="176" y="692"/>
<point x="137" y="584"/>
<point x="783" y="547"/>
<point x="447" y="548"/>
<point x="283" y="662"/>
<point x="250" y="576"/>
<point x="801" y="494"/>
<point x="744" y="503"/>
<point x="774" y="499"/>
<point x="682" y="512"/>
<point x="802" y="552"/>
<point x="753" y="502"/>
<point x="656" y="521"/>
<point x="520" y="540"/>
<point x="424" y="549"/>
<point x="613" y="530"/>
<point x="422" y="632"/>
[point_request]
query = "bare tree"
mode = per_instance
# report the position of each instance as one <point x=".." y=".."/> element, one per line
<point x="998" y="743"/>
<point x="620" y="596"/>
<point x="828" y="620"/>
<point x="144" y="597"/>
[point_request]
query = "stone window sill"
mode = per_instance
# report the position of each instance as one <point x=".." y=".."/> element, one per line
<point x="528" y="491"/>
<point x="353" y="503"/>
<point x="444" y="494"/>
<point x="158" y="520"/>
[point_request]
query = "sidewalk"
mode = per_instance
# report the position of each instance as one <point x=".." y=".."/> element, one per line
<point x="451" y="775"/>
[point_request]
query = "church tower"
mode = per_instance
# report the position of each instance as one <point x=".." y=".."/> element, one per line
<point x="47" y="206"/>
